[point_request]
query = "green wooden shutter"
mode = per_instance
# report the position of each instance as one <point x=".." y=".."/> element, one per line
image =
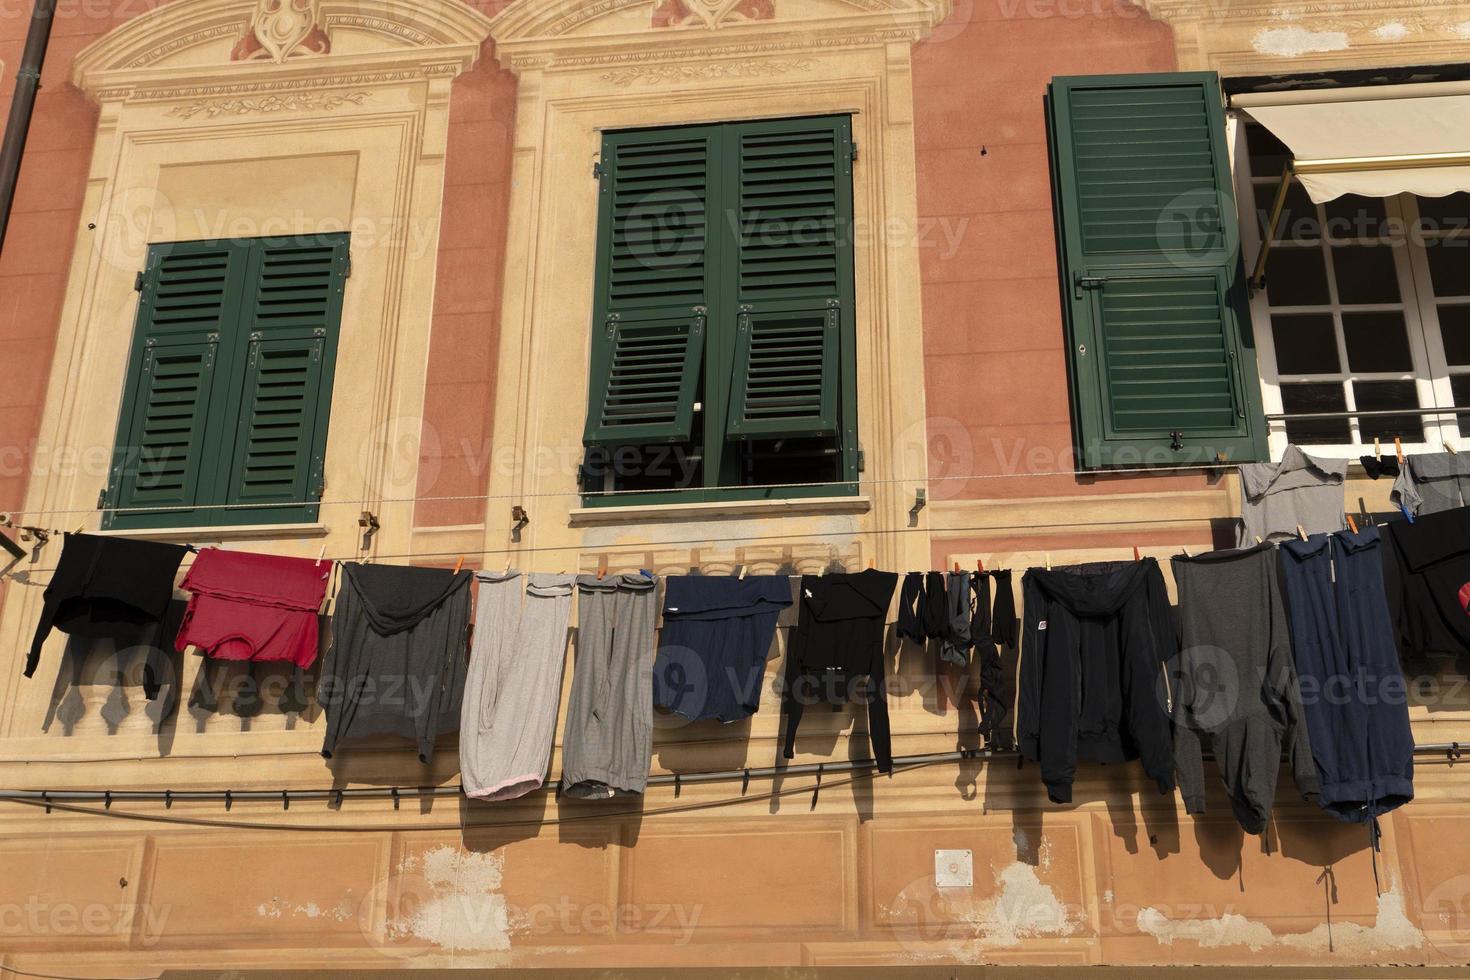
<point x="793" y="269"/>
<point x="1160" y="354"/>
<point x="283" y="398"/>
<point x="653" y="286"/>
<point x="187" y="309"/>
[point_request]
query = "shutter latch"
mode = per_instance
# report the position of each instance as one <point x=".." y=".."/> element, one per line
<point x="1081" y="282"/>
<point x="1176" y="441"/>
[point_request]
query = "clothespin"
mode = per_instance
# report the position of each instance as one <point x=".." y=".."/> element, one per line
<point x="1048" y="561"/>
<point x="740" y="572"/>
<point x="1377" y="449"/>
<point x="1352" y="524"/>
<point x="1450" y="449"/>
<point x="980" y="565"/>
<point x="459" y="565"/>
<point x="1136" y="555"/>
<point x="956" y="568"/>
<point x="601" y="567"/>
<point x="1258" y="540"/>
<point x="1186" y="553"/>
<point x="1398" y="448"/>
<point x="320" y="555"/>
<point x="872" y="565"/>
<point x="1301" y="532"/>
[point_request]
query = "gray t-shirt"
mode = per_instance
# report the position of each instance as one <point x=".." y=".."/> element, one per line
<point x="1300" y="490"/>
<point x="1432" y="482"/>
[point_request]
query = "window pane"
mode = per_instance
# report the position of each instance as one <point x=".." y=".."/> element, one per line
<point x="1460" y="387"/>
<point x="1365" y="274"/>
<point x="1297" y="277"/>
<point x="1377" y="342"/>
<point x="1325" y="397"/>
<point x="1351" y="216"/>
<point x="1454" y="328"/>
<point x="1269" y="156"/>
<point x="1445" y="213"/>
<point x="1298" y="217"/>
<point x="1376" y="396"/>
<point x="1306" y="343"/>
<point x="1449" y="265"/>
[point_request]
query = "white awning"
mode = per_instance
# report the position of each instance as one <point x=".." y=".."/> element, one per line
<point x="1376" y="141"/>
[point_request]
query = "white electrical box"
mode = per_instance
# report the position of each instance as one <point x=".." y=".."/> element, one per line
<point x="954" y="869"/>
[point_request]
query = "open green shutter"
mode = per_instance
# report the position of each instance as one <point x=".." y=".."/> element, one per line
<point x="653" y="286"/>
<point x="163" y="459"/>
<point x="284" y="398"/>
<point x="794" y="264"/>
<point x="1160" y="355"/>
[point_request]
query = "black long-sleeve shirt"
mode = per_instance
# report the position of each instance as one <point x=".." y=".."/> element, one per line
<point x="837" y="649"/>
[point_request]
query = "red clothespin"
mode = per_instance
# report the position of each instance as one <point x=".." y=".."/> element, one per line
<point x="459" y="565"/>
<point x="956" y="568"/>
<point x="1136" y="555"/>
<point x="980" y="565"/>
<point x="1352" y="524"/>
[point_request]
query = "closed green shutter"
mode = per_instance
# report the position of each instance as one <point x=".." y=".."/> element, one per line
<point x="1160" y="353"/>
<point x="653" y="286"/>
<point x="228" y="394"/>
<point x="794" y="213"/>
<point x="285" y="397"/>
<point x="164" y="458"/>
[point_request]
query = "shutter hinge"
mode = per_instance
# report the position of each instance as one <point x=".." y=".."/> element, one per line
<point x="862" y="461"/>
<point x="102" y="499"/>
<point x="138" y="283"/>
<point x="856" y="151"/>
<point x="347" y="264"/>
<point x="598" y="172"/>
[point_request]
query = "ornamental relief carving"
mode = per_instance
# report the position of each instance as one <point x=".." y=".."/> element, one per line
<point x="281" y="29"/>
<point x="710" y="13"/>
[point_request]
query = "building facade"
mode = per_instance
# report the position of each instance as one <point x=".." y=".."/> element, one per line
<point x="365" y="278"/>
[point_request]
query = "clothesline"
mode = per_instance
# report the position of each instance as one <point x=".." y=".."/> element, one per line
<point x="1166" y="470"/>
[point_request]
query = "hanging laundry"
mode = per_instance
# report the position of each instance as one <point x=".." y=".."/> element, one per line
<point x="923" y="610"/>
<point x="508" y="719"/>
<point x="1427" y="563"/>
<point x="1097" y="638"/>
<point x="1431" y="483"/>
<point x="254" y="607"/>
<point x="1235" y="689"/>
<point x="716" y="638"/>
<point x="836" y="656"/>
<point x="607" y="745"/>
<point x="1300" y="490"/>
<point x="115" y="588"/>
<point x="397" y="661"/>
<point x="994" y="702"/>
<point x="1353" y="690"/>
<point x="959" y="611"/>
<point x="1378" y="467"/>
<point x="1004" y="623"/>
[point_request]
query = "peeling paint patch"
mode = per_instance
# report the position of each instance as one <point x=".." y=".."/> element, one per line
<point x="461" y="906"/>
<point x="1392" y="31"/>
<point x="1228" y="930"/>
<point x="1392" y="929"/>
<point x="1292" y="42"/>
<point x="1023" y="907"/>
<point x="1461" y="29"/>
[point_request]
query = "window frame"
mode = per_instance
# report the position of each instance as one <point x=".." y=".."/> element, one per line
<point x="1429" y="372"/>
<point x="225" y="421"/>
<point x="722" y="321"/>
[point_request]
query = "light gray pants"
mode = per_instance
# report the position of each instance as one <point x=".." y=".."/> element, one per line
<point x="608" y="743"/>
<point x="508" y="721"/>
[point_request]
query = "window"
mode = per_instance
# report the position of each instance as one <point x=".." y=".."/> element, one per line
<point x="1365" y="318"/>
<point x="224" y="414"/>
<point x="1160" y="357"/>
<point x="723" y="351"/>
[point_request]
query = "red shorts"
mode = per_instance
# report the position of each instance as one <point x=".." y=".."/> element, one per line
<point x="254" y="607"/>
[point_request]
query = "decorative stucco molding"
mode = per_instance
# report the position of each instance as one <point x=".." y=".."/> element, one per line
<point x="1267" y="37"/>
<point x="554" y="34"/>
<point x="214" y="46"/>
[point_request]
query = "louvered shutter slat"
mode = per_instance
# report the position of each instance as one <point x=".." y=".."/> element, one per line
<point x="277" y="421"/>
<point x="1162" y="370"/>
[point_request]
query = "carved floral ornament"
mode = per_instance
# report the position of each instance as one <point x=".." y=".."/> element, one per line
<point x="280" y="29"/>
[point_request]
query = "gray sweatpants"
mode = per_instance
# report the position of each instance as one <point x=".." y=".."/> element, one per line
<point x="607" y="746"/>
<point x="508" y="720"/>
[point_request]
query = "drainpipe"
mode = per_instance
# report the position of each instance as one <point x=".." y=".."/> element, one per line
<point x="27" y="81"/>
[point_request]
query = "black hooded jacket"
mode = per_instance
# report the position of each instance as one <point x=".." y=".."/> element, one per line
<point x="1093" y="687"/>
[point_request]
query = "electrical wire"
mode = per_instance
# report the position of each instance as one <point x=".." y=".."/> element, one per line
<point x="59" y="976"/>
<point x="598" y="813"/>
